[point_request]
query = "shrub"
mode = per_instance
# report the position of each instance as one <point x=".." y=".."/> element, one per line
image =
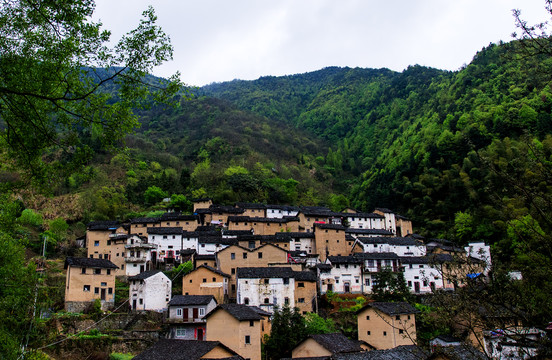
<point x="29" y="217"/>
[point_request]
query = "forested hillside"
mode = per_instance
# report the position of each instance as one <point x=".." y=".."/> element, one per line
<point x="421" y="141"/>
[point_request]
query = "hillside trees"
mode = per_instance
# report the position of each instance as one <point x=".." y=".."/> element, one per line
<point x="64" y="94"/>
<point x="59" y="80"/>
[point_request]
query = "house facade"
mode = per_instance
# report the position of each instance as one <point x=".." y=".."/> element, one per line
<point x="387" y="325"/>
<point x="88" y="279"/>
<point x="149" y="290"/>
<point x="206" y="280"/>
<point x="186" y="316"/>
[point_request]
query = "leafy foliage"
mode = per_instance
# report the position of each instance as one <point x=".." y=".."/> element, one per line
<point x="288" y="329"/>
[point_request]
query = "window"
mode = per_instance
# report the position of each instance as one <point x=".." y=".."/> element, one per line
<point x="385" y="333"/>
<point x="246" y="301"/>
<point x="408" y="317"/>
<point x="181" y="332"/>
<point x="97" y="243"/>
<point x="103" y="284"/>
<point x="266" y="281"/>
<point x="96" y="290"/>
<point x="367" y="317"/>
<point x="266" y="301"/>
<point x="367" y="282"/>
<point x="260" y="255"/>
<point x="286" y="301"/>
<point x="401" y="331"/>
<point x="368" y="332"/>
<point x="252" y="244"/>
<point x="97" y="271"/>
<point x="301" y="300"/>
<point x="232" y="256"/>
<point x="108" y="271"/>
<point x="201" y="311"/>
<point x="245" y="255"/>
<point x="86" y="288"/>
<point x="233" y="271"/>
<point x="251" y="323"/>
<point x="141" y="301"/>
<point x="110" y="291"/>
<point x="190" y="281"/>
<point x="204" y="280"/>
<point x="300" y="284"/>
<point x="398" y="317"/>
<point x="286" y="281"/>
<point x="83" y="271"/>
<point x="233" y="287"/>
<point x="247" y="339"/>
<point x="108" y="242"/>
<point x="214" y="279"/>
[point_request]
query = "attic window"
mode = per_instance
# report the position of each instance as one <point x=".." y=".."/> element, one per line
<point x="266" y="300"/>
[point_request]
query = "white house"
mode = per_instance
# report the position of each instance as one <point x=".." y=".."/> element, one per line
<point x="138" y="255"/>
<point x="390" y="223"/>
<point x="149" y="290"/>
<point x="266" y="287"/>
<point x="279" y="211"/>
<point x="420" y="275"/>
<point x="365" y="220"/>
<point x="168" y="241"/>
<point x="299" y="241"/>
<point x="374" y="263"/>
<point x="210" y="244"/>
<point x="344" y="276"/>
<point x="186" y="316"/>
<point x="402" y="246"/>
<point x="480" y="251"/>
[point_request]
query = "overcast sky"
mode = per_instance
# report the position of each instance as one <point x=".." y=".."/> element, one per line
<point x="222" y="40"/>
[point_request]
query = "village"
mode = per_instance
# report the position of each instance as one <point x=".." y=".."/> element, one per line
<point x="250" y="259"/>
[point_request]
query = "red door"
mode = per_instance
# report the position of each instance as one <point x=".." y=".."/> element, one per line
<point x="185" y="314"/>
<point x="195" y="313"/>
<point x="200" y="334"/>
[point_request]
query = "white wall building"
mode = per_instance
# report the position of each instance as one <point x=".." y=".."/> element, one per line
<point x="343" y="276"/>
<point x="365" y="221"/>
<point x="168" y="241"/>
<point x="420" y="276"/>
<point x="266" y="287"/>
<point x="279" y="211"/>
<point x="150" y="290"/>
<point x="390" y="222"/>
<point x="480" y="251"/>
<point x="138" y="255"/>
<point x="400" y="246"/>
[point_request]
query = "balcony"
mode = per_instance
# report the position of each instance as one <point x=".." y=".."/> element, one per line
<point x="185" y="321"/>
<point x="135" y="259"/>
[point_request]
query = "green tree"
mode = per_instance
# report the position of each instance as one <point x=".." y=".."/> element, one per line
<point x="154" y="194"/>
<point x="288" y="329"/>
<point x="181" y="203"/>
<point x="390" y="286"/>
<point x="63" y="86"/>
<point x="315" y="324"/>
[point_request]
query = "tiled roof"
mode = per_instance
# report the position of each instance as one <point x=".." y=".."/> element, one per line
<point x="337" y="343"/>
<point x="178" y="216"/>
<point x="305" y="276"/>
<point x="317" y="211"/>
<point x="264" y="272"/>
<point x="304" y="235"/>
<point x="274" y="272"/>
<point x="415" y="260"/>
<point x="183" y="300"/>
<point x="103" y="225"/>
<point x="369" y="231"/>
<point x="250" y="219"/>
<point x="165" y="230"/>
<point x="283" y="207"/>
<point x="205" y="257"/>
<point x="217" y="240"/>
<point x="344" y="260"/>
<point x="403" y="352"/>
<point x="144" y="220"/>
<point x="329" y="226"/>
<point x="384" y="210"/>
<point x="91" y="263"/>
<point x="400" y="241"/>
<point x="363" y="215"/>
<point x="213" y="270"/>
<point x="324" y="267"/>
<point x="393" y="308"/>
<point x="236" y="232"/>
<point x="243" y="205"/>
<point x="260" y="311"/>
<point x="225" y="209"/>
<point x="173" y="349"/>
<point x="206" y="228"/>
<point x="239" y="311"/>
<point x="461" y="352"/>
<point x="144" y="275"/>
<point x="377" y="255"/>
